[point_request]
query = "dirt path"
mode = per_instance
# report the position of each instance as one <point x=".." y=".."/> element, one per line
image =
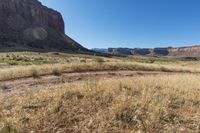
<point x="28" y="85"/>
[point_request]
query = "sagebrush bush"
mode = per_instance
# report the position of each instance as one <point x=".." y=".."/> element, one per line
<point x="56" y="72"/>
<point x="100" y="60"/>
<point x="34" y="73"/>
<point x="3" y="87"/>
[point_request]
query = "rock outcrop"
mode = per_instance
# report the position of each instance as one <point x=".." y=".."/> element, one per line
<point x="28" y="25"/>
<point x="192" y="51"/>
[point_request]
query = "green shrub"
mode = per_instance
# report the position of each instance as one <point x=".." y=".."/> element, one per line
<point x="83" y="61"/>
<point x="34" y="73"/>
<point x="164" y="69"/>
<point x="100" y="60"/>
<point x="3" y="87"/>
<point x="13" y="63"/>
<point x="56" y="72"/>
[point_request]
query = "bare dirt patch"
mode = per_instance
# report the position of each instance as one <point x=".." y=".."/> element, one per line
<point x="29" y="85"/>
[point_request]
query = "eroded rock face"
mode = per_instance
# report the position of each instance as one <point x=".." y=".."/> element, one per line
<point x="192" y="51"/>
<point x="27" y="24"/>
<point x="120" y="51"/>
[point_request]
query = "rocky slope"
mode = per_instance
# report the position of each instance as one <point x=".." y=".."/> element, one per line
<point x="192" y="51"/>
<point x="28" y="25"/>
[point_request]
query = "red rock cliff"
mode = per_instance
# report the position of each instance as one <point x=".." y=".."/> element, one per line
<point x="31" y="11"/>
<point x="27" y="24"/>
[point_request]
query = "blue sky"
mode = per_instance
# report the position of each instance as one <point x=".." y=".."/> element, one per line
<point x="130" y="23"/>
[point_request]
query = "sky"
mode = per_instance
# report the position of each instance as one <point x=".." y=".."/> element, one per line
<point x="130" y="23"/>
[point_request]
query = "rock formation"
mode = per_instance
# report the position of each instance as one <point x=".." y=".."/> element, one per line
<point x="28" y="25"/>
<point x="192" y="51"/>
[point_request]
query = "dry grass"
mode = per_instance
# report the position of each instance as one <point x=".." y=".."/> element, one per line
<point x="139" y="104"/>
<point x="136" y="104"/>
<point x="36" y="71"/>
<point x="31" y="64"/>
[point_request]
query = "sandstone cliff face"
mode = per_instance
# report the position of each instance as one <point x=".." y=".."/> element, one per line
<point x="193" y="51"/>
<point x="27" y="24"/>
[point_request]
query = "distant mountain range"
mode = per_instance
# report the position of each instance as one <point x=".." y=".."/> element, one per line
<point x="100" y="50"/>
<point x="190" y="51"/>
